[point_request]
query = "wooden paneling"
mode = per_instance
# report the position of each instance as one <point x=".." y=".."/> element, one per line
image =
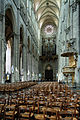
<point x="72" y="62"/>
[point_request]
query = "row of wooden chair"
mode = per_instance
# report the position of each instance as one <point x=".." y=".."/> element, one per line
<point x="43" y="101"/>
<point x="12" y="87"/>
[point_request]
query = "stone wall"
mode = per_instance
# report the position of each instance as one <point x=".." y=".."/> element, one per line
<point x="68" y="32"/>
<point x="21" y="17"/>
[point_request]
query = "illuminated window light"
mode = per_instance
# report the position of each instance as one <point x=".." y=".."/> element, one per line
<point x="49" y="29"/>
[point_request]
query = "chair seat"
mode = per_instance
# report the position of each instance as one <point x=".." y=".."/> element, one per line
<point x="10" y="113"/>
<point x="23" y="106"/>
<point x="69" y="118"/>
<point x="72" y="110"/>
<point x="26" y="114"/>
<point x="40" y="116"/>
<point x="36" y="108"/>
<point x="57" y="109"/>
<point x="9" y="117"/>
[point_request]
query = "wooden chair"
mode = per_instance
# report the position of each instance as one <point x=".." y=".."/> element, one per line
<point x="9" y="112"/>
<point x="24" y="113"/>
<point x="1" y="111"/>
<point x="66" y="115"/>
<point x="52" y="115"/>
<point x="42" y="116"/>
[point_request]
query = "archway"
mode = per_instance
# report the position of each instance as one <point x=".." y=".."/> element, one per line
<point x="49" y="73"/>
<point x="9" y="44"/>
<point x="21" y="55"/>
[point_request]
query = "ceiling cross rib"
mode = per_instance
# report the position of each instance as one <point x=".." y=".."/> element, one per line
<point x="48" y="5"/>
<point x="47" y="11"/>
<point x="53" y="15"/>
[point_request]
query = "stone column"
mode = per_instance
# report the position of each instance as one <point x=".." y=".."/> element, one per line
<point x="2" y="40"/>
<point x="31" y="58"/>
<point x="15" y="61"/>
<point x="77" y="72"/>
<point x="24" y="56"/>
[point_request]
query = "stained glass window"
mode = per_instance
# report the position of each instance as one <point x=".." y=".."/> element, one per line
<point x="49" y="29"/>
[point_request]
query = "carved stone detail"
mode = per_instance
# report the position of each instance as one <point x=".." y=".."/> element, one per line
<point x="74" y="7"/>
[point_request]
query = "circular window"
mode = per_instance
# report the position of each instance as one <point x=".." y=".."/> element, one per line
<point x="49" y="29"/>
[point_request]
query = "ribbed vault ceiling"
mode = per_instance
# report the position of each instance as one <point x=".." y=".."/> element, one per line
<point x="47" y="12"/>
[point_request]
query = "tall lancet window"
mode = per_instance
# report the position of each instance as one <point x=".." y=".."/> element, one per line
<point x="8" y="57"/>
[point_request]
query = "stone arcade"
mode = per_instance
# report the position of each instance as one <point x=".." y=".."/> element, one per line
<point x="40" y="41"/>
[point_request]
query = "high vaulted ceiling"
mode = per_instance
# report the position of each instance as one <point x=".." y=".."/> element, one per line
<point x="47" y="12"/>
